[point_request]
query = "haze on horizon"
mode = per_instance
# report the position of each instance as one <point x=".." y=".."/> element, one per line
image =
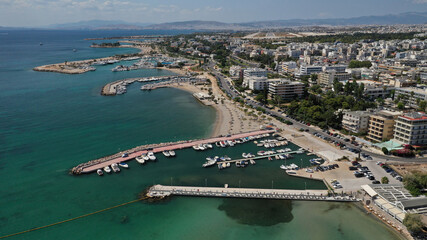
<point x="39" y="13"/>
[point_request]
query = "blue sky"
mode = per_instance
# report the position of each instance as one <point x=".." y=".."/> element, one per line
<point x="45" y="12"/>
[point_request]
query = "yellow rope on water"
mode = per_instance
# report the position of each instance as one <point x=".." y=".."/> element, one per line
<point x="72" y="219"/>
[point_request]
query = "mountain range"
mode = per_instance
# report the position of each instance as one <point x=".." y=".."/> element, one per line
<point x="402" y="18"/>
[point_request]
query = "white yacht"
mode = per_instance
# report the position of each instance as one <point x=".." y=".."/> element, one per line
<point x="107" y="169"/>
<point x="145" y="157"/>
<point x="208" y="145"/>
<point x="166" y="153"/>
<point x="151" y="156"/>
<point x="172" y="153"/>
<point x="100" y="172"/>
<point x="195" y="147"/>
<point x="140" y="159"/>
<point x="283" y="167"/>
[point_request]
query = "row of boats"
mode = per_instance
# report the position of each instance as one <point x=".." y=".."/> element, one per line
<point x="292" y="166"/>
<point x="101" y="63"/>
<point x="202" y="147"/>
<point x="271" y="143"/>
<point x="114" y="167"/>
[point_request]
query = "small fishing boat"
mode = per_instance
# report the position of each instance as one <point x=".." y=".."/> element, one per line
<point x="100" y="172"/>
<point x="195" y="147"/>
<point x="208" y="145"/>
<point x="172" y="153"/>
<point x="107" y="169"/>
<point x="269" y="159"/>
<point x="145" y="157"/>
<point x="252" y="162"/>
<point x="283" y="167"/>
<point x="166" y="153"/>
<point x="115" y="167"/>
<point x="151" y="156"/>
<point x="140" y="159"/>
<point x="228" y="164"/>
<point x="245" y="155"/>
<point x="277" y="157"/>
<point x="124" y="165"/>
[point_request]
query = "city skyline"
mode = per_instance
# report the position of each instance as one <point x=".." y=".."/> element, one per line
<point x="25" y="13"/>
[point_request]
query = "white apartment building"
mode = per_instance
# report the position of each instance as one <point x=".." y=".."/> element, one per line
<point x="253" y="72"/>
<point x="356" y="121"/>
<point x="411" y="129"/>
<point x="327" y="78"/>
<point x="308" y="70"/>
<point x="258" y="83"/>
<point x="337" y="68"/>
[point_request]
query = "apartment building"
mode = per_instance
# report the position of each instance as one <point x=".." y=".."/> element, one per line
<point x="308" y="70"/>
<point x="356" y="121"/>
<point x="381" y="125"/>
<point x="253" y="73"/>
<point x="411" y="129"/>
<point x="287" y="67"/>
<point x="411" y="94"/>
<point x="286" y="89"/>
<point x="327" y="78"/>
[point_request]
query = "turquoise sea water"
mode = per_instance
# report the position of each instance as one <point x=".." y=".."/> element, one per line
<point x="51" y="122"/>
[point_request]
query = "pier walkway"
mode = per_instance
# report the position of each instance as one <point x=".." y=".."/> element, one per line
<point x="286" y="194"/>
<point x="117" y="158"/>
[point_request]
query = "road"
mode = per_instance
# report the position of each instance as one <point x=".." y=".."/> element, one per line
<point x="229" y="89"/>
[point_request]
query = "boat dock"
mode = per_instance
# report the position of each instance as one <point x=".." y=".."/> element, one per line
<point x="259" y="157"/>
<point x="286" y="194"/>
<point x="93" y="165"/>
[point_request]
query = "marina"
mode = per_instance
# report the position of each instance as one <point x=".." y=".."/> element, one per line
<point x="150" y="150"/>
<point x="119" y="87"/>
<point x="285" y="194"/>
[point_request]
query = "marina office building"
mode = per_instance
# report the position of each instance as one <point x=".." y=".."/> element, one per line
<point x="411" y="129"/>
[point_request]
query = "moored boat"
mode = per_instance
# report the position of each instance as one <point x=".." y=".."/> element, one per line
<point x="166" y="153"/>
<point x="151" y="156"/>
<point x="140" y="159"/>
<point x="99" y="172"/>
<point x="172" y="153"/>
<point x="107" y="169"/>
<point x="124" y="165"/>
<point x="115" y="167"/>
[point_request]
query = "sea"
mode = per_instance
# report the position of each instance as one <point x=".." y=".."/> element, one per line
<point x="50" y="122"/>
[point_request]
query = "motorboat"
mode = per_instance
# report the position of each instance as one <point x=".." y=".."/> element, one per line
<point x="217" y="144"/>
<point x="283" y="167"/>
<point x="166" y="153"/>
<point x="151" y="156"/>
<point x="100" y="172"/>
<point x="172" y="153"/>
<point x="115" y="167"/>
<point x="107" y="169"/>
<point x="145" y="157"/>
<point x="124" y="165"/>
<point x="252" y="162"/>
<point x="140" y="159"/>
<point x="245" y="155"/>
<point x="208" y="145"/>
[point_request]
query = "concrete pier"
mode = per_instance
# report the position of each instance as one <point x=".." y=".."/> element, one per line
<point x="285" y="194"/>
<point x="93" y="165"/>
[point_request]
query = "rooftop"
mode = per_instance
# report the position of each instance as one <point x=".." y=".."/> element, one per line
<point x="415" y="116"/>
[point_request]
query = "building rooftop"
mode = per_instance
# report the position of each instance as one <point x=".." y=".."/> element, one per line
<point x="415" y="116"/>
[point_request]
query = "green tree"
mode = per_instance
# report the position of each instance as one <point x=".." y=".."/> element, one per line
<point x="413" y="222"/>
<point x="385" y="150"/>
<point x="422" y="105"/>
<point x="384" y="180"/>
<point x="401" y="106"/>
<point x="338" y="86"/>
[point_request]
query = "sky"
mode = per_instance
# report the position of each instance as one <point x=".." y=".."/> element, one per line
<point x="38" y="13"/>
